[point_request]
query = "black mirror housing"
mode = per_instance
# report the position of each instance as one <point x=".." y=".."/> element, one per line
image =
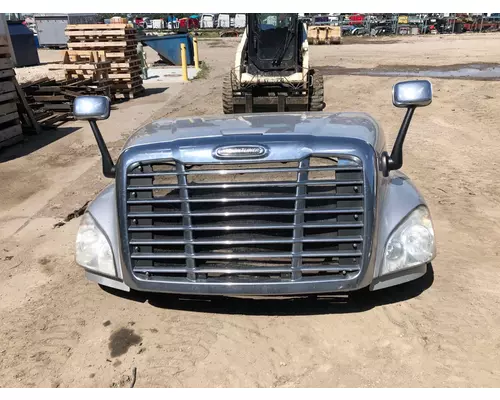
<point x="409" y="95"/>
<point x="93" y="108"/>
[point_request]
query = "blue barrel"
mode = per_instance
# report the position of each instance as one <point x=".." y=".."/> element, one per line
<point x="169" y="47"/>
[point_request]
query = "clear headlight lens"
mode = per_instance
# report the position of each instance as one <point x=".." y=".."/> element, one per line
<point x="93" y="251"/>
<point x="411" y="244"/>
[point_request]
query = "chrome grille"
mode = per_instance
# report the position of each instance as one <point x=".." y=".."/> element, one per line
<point x="258" y="221"/>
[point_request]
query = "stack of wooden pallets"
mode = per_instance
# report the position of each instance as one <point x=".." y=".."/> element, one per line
<point x="94" y="67"/>
<point x="10" y="125"/>
<point x="113" y="43"/>
<point x="51" y="101"/>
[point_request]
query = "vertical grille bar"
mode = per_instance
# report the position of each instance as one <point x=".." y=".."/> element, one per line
<point x="186" y="221"/>
<point x="298" y="231"/>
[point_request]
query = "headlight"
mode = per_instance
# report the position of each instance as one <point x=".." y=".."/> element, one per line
<point x="411" y="244"/>
<point x="93" y="251"/>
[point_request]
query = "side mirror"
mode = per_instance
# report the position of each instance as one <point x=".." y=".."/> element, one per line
<point x="412" y="94"/>
<point x="409" y="95"/>
<point x="93" y="108"/>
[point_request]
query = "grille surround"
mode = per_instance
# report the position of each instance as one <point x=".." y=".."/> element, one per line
<point x="292" y="274"/>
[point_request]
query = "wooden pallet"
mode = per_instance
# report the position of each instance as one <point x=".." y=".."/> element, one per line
<point x="129" y="64"/>
<point x="4" y="49"/>
<point x="96" y="31"/>
<point x="129" y="93"/>
<point x="111" y="44"/>
<point x="99" y="75"/>
<point x="7" y="86"/>
<point x="10" y="125"/>
<point x="6" y="63"/>
<point x="8" y="96"/>
<point x="125" y="75"/>
<point x="52" y="101"/>
<point x="122" y="84"/>
<point x="70" y="27"/>
<point x="95" y="34"/>
<point x="8" y="107"/>
<point x="4" y="52"/>
<point x="93" y="66"/>
<point x="117" y="44"/>
<point x="11" y="135"/>
<point x="106" y="54"/>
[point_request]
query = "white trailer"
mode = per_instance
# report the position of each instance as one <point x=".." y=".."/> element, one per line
<point x="207" y="21"/>
<point x="240" y="21"/>
<point x="224" y="21"/>
<point x="158" y="23"/>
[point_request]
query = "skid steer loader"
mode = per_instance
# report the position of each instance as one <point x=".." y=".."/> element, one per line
<point x="271" y="71"/>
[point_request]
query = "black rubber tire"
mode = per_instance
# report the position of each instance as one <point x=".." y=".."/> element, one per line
<point x="227" y="95"/>
<point x="317" y="96"/>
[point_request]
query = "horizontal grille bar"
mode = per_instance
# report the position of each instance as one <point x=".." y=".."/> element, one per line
<point x="138" y="228"/>
<point x="247" y="199"/>
<point x="356" y="210"/>
<point x="234" y="271"/>
<point x="310" y="239"/>
<point x="243" y="171"/>
<point x="247" y="184"/>
<point x="226" y="256"/>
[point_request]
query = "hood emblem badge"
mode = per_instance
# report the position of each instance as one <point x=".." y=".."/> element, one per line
<point x="241" y="151"/>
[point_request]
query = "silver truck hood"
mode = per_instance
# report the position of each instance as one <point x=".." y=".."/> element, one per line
<point x="352" y="125"/>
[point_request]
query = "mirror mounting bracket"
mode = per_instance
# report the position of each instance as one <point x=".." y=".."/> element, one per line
<point x="395" y="160"/>
<point x="108" y="167"/>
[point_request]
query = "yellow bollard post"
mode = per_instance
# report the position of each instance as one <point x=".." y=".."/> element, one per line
<point x="196" y="59"/>
<point x="184" y="63"/>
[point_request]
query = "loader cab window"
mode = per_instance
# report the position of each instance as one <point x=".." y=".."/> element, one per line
<point x="273" y="32"/>
<point x="273" y="21"/>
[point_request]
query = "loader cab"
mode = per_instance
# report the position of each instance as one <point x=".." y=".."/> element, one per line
<point x="274" y="43"/>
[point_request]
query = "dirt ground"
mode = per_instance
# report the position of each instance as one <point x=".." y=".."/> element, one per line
<point x="443" y="330"/>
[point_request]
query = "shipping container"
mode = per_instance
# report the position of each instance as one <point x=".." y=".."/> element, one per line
<point x="50" y="27"/>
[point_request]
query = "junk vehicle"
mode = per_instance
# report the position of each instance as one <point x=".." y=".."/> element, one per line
<point x="257" y="204"/>
<point x="271" y="69"/>
<point x="223" y="21"/>
<point x="158" y="23"/>
<point x="240" y="21"/>
<point x="323" y="30"/>
<point x="207" y="21"/>
<point x="188" y="23"/>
